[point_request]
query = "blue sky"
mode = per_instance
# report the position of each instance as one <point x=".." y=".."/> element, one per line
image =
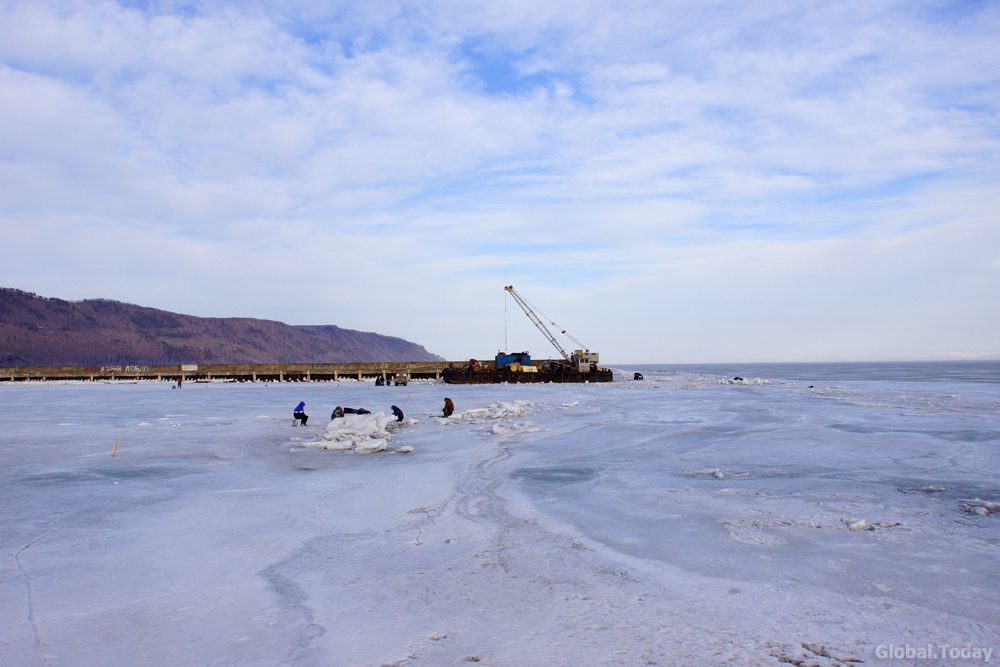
<point x="672" y="182"/>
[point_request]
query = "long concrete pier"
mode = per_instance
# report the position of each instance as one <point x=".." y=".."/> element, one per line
<point x="234" y="372"/>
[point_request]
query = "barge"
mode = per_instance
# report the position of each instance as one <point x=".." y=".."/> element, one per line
<point x="584" y="368"/>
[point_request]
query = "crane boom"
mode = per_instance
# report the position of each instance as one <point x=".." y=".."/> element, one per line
<point x="537" y="321"/>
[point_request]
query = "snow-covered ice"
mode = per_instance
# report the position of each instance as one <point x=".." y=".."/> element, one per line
<point x="679" y="520"/>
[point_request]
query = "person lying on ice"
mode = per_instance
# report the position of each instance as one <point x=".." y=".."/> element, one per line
<point x="299" y="414"/>
<point x="340" y="412"/>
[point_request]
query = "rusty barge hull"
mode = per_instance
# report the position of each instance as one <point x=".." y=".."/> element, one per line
<point x="455" y="376"/>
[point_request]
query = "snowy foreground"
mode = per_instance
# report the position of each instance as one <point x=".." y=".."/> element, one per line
<point x="672" y="521"/>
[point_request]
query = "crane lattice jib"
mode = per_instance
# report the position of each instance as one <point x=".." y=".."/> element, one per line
<point x="538" y="322"/>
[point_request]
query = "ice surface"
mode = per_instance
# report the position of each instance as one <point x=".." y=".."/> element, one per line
<point x="677" y="520"/>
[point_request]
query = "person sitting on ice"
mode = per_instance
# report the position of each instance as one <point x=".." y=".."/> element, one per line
<point x="449" y="408"/>
<point x="299" y="414"/>
<point x="399" y="413"/>
<point x="379" y="381"/>
<point x="337" y="412"/>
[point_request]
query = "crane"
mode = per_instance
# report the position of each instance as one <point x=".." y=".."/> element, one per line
<point x="533" y="316"/>
<point x="580" y="366"/>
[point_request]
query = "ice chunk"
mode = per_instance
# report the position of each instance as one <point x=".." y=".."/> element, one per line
<point x="359" y="428"/>
<point x="336" y="445"/>
<point x="741" y="380"/>
<point x="980" y="507"/>
<point x="370" y="446"/>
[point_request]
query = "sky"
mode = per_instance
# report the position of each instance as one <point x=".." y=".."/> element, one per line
<point x="670" y="182"/>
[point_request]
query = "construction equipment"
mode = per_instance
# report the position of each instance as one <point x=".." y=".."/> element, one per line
<point x="580" y="360"/>
<point x="581" y="366"/>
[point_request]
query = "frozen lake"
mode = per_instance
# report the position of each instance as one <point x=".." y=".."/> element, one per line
<point x="676" y="520"/>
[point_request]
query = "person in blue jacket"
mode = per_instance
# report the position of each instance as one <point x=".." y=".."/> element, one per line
<point x="299" y="414"/>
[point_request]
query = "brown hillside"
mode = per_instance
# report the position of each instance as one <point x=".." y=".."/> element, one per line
<point x="39" y="331"/>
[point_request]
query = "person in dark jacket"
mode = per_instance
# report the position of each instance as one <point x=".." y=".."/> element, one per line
<point x="399" y="413"/>
<point x="449" y="408"/>
<point x="337" y="412"/>
<point x="299" y="414"/>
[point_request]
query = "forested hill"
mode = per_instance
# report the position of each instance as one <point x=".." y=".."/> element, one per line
<point x="39" y="331"/>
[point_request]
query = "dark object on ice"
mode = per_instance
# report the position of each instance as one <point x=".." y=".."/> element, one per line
<point x="356" y="411"/>
<point x="379" y="381"/>
<point x="449" y="408"/>
<point x="337" y="412"/>
<point x="299" y="414"/>
<point x="810" y="387"/>
<point x="738" y="379"/>
<point x="637" y="376"/>
<point x="399" y="413"/>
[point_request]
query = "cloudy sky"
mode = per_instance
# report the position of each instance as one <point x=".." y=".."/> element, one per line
<point x="670" y="181"/>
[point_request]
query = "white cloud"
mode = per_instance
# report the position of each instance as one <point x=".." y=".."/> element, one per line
<point x="812" y="171"/>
